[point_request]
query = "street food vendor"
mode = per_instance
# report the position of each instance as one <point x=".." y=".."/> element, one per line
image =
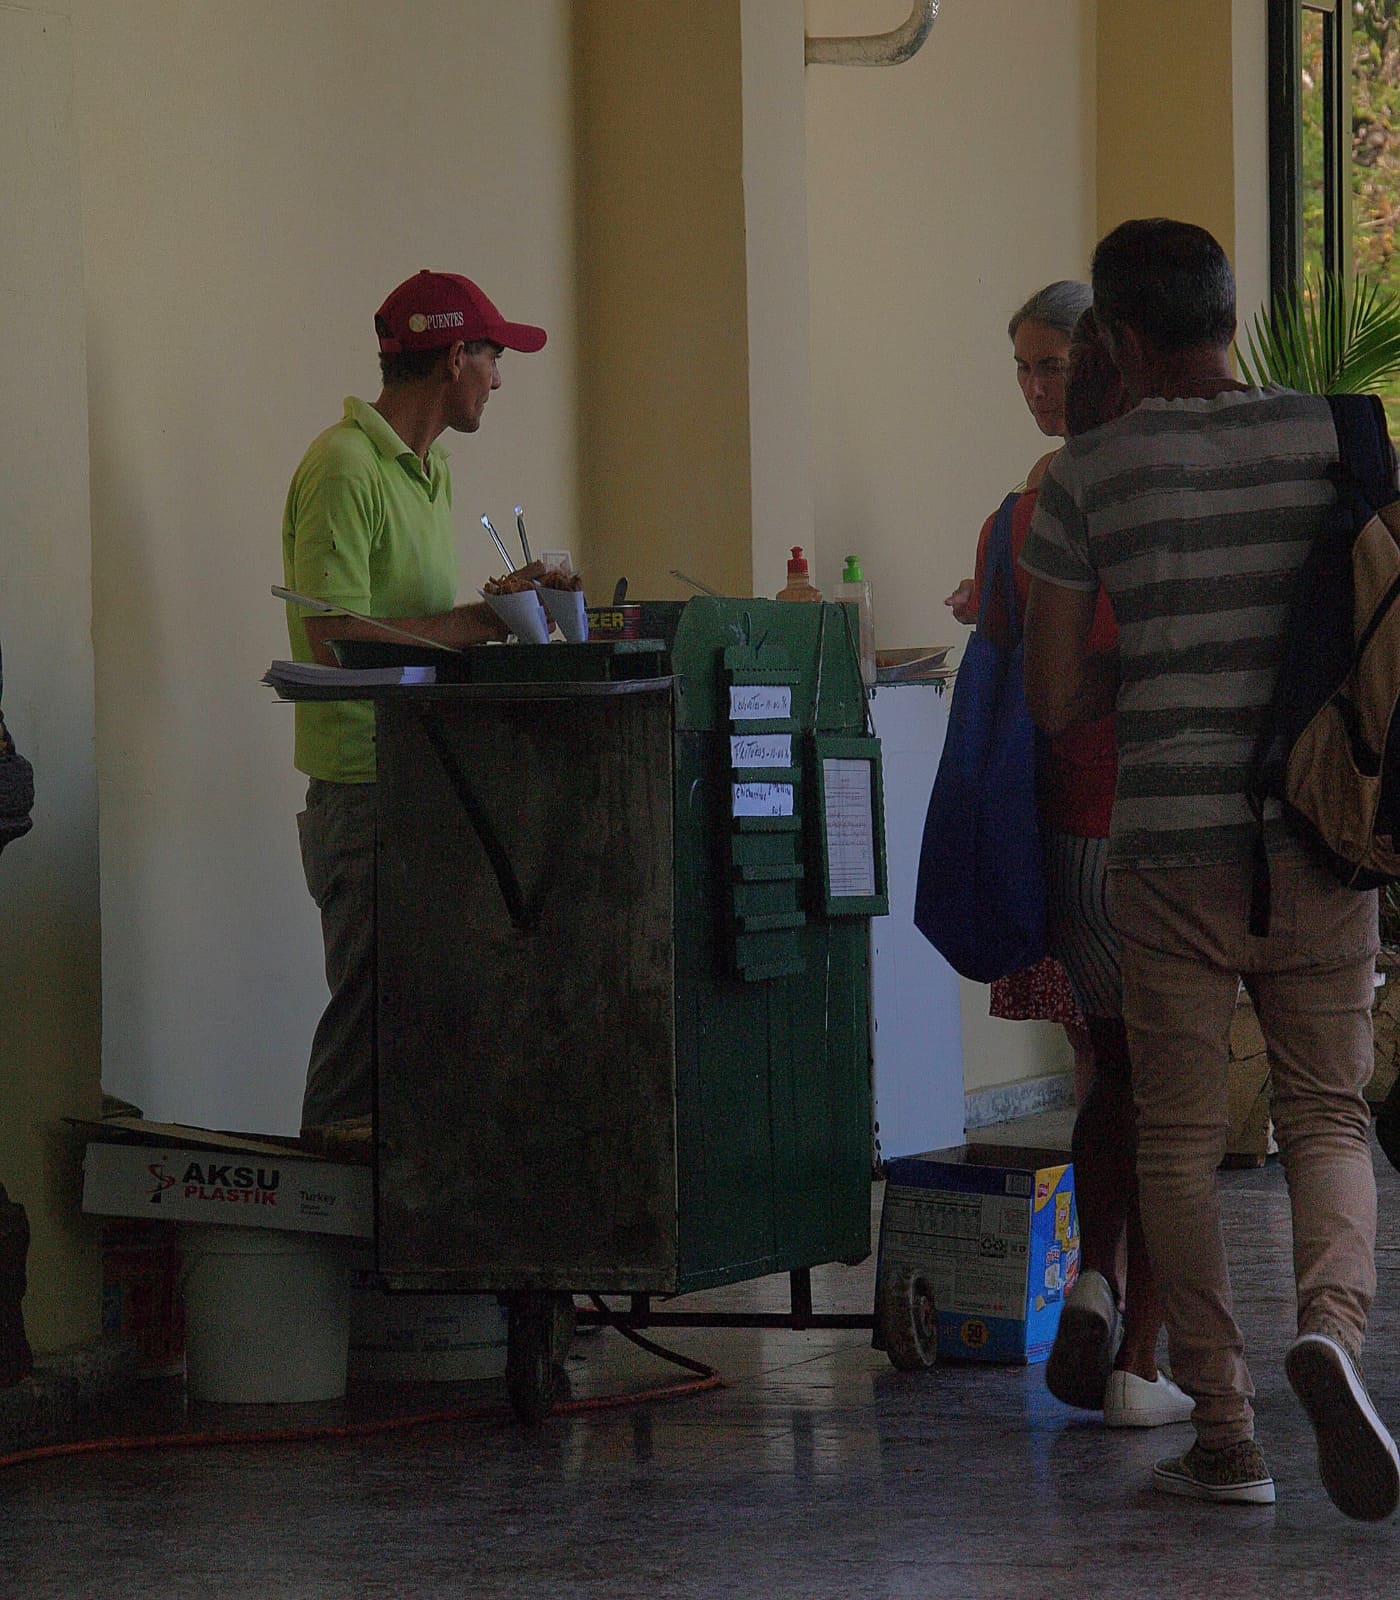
<point x="368" y="526"/>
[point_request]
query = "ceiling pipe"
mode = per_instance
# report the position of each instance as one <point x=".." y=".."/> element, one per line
<point x="877" y="49"/>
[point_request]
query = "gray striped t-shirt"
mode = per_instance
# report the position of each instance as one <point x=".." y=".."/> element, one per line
<point x="1196" y="516"/>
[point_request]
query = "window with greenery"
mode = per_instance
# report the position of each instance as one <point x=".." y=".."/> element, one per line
<point x="1375" y="138"/>
<point x="1322" y="229"/>
<point x="1334" y="146"/>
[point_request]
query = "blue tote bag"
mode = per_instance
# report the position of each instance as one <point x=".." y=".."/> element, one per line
<point x="980" y="899"/>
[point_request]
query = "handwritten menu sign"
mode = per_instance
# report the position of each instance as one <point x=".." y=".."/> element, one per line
<point x="758" y="702"/>
<point x="760" y="750"/>
<point x="850" y="827"/>
<point x="762" y="799"/>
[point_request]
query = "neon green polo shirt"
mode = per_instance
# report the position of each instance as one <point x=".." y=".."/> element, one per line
<point x="366" y="528"/>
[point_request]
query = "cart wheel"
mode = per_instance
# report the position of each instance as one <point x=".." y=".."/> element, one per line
<point x="530" y="1368"/>
<point x="909" y="1319"/>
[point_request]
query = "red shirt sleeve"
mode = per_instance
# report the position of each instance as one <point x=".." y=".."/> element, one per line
<point x="1077" y="794"/>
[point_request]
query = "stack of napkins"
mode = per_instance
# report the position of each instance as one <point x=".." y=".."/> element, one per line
<point x="312" y="675"/>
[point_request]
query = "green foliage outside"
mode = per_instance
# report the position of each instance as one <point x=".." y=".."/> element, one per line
<point x="1375" y="152"/>
<point x="1337" y="337"/>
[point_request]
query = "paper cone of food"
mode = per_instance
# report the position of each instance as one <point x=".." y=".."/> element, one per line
<point x="522" y="613"/>
<point x="566" y="610"/>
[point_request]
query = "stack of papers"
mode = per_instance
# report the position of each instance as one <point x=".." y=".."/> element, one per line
<point x="312" y="675"/>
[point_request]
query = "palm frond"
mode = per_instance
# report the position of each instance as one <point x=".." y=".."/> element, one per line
<point x="1334" y="337"/>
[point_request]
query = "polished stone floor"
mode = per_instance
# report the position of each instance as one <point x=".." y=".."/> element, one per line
<point x="817" y="1471"/>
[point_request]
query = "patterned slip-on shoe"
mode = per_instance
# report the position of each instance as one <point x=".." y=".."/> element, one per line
<point x="1356" y="1456"/>
<point x="1133" y="1402"/>
<point x="1235" y="1475"/>
<point x="1086" y="1340"/>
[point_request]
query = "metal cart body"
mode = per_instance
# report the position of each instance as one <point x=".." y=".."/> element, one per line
<point x="623" y="1012"/>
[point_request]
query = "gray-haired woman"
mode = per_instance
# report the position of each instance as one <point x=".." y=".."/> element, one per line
<point x="1040" y="333"/>
<point x="1040" y="338"/>
<point x="1076" y="795"/>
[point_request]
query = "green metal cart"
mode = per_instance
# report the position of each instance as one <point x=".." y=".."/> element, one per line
<point x="623" y="1039"/>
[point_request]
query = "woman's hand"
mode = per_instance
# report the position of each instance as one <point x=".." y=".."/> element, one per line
<point x="960" y="602"/>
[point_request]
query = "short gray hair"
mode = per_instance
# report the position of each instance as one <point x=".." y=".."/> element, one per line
<point x="1058" y="305"/>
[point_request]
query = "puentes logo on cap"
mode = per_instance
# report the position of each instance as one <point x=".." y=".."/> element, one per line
<point x="419" y="323"/>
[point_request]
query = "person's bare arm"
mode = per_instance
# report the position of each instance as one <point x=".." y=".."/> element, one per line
<point x="1065" y="684"/>
<point x="463" y="625"/>
<point x="475" y="623"/>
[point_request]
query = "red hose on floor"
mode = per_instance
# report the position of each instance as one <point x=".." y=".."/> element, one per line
<point x="360" y="1430"/>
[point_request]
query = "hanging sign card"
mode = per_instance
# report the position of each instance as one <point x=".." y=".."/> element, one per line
<point x="759" y="702"/>
<point x="850" y="829"/>
<point x="762" y="799"/>
<point x="760" y="750"/>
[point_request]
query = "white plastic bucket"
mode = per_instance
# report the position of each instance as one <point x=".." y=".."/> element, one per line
<point x="423" y="1338"/>
<point x="267" y="1315"/>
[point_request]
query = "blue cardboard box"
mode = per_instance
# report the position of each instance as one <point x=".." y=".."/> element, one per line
<point x="996" y="1235"/>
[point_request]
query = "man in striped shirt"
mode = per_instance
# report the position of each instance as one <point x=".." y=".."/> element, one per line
<point x="1195" y="511"/>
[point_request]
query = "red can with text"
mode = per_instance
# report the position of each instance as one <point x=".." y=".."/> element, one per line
<point x="615" y="622"/>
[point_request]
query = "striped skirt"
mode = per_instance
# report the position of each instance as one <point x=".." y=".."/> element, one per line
<point x="1082" y="935"/>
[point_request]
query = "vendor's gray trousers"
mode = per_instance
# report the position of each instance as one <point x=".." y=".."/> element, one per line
<point x="1186" y="944"/>
<point x="337" y="855"/>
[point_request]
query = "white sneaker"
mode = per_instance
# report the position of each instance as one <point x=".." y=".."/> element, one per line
<point x="1133" y="1402"/>
<point x="1086" y="1340"/>
<point x="1355" y="1454"/>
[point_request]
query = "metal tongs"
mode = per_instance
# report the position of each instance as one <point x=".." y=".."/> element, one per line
<point x="695" y="583"/>
<point x="490" y="527"/>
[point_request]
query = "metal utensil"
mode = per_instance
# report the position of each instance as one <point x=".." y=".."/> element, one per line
<point x="520" y="525"/>
<point x="619" y="591"/>
<point x="695" y="583"/>
<point x="490" y="528"/>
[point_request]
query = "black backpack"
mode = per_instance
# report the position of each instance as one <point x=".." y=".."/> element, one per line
<point x="1329" y="747"/>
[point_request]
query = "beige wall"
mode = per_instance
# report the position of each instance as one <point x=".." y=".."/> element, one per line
<point x="753" y="363"/>
<point x="940" y="193"/>
<point x="694" y="402"/>
<point x="1208" y="107"/>
<point x="254" y="179"/>
<point x="663" y="321"/>
<point x="49" y="937"/>
<point x="1166" y="114"/>
<point x="779" y="310"/>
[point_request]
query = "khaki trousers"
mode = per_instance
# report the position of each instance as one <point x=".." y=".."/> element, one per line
<point x="1186" y="945"/>
<point x="337" y="832"/>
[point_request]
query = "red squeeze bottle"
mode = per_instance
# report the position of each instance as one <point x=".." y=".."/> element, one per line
<point x="799" y="586"/>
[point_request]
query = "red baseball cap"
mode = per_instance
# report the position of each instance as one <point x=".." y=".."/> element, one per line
<point x="432" y="310"/>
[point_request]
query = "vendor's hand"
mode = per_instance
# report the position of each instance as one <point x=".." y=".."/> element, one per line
<point x="474" y="623"/>
<point x="960" y="602"/>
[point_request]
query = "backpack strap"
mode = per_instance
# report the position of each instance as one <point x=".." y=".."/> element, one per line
<point x="1366" y="457"/>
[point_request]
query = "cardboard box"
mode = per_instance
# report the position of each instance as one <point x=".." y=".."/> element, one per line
<point x="996" y="1233"/>
<point x="168" y="1173"/>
